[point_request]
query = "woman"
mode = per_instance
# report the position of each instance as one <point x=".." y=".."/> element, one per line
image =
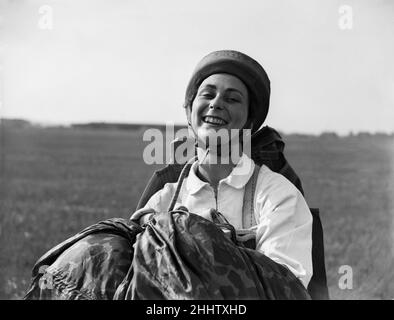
<point x="229" y="90"/>
<point x="183" y="253"/>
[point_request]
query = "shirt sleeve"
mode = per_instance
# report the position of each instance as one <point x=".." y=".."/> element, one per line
<point x="284" y="231"/>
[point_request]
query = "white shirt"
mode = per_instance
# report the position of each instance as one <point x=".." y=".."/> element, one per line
<point x="284" y="221"/>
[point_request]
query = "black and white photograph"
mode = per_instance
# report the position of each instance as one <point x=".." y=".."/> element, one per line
<point x="196" y="150"/>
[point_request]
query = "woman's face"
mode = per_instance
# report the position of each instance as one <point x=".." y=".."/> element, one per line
<point x="221" y="102"/>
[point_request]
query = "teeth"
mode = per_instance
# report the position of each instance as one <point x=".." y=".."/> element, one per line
<point x="214" y="120"/>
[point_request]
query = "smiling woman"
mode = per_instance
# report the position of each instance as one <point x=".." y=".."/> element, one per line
<point x="247" y="228"/>
<point x="229" y="90"/>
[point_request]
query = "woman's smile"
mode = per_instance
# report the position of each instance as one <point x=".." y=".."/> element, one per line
<point x="214" y="121"/>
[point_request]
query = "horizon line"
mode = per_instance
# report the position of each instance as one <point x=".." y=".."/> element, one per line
<point x="109" y="123"/>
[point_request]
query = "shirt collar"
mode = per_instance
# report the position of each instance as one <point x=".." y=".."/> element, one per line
<point x="237" y="179"/>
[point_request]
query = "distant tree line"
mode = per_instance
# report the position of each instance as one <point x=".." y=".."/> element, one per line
<point x="329" y="135"/>
<point x="15" y="123"/>
<point x="122" y="126"/>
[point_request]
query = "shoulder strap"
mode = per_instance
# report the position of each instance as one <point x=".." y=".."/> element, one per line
<point x="170" y="173"/>
<point x="184" y="173"/>
<point x="248" y="218"/>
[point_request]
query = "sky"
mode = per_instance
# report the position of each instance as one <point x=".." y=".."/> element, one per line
<point x="130" y="61"/>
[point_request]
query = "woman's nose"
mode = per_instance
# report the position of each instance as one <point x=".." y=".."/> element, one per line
<point x="216" y="104"/>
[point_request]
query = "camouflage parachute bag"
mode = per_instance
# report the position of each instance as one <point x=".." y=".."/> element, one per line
<point x="116" y="259"/>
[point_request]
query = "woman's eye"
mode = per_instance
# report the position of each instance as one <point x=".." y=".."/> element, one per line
<point x="234" y="100"/>
<point x="207" y="95"/>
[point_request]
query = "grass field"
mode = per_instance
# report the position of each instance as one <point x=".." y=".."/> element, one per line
<point x="55" y="182"/>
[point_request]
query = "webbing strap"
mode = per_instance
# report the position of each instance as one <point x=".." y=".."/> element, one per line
<point x="184" y="173"/>
<point x="248" y="218"/>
